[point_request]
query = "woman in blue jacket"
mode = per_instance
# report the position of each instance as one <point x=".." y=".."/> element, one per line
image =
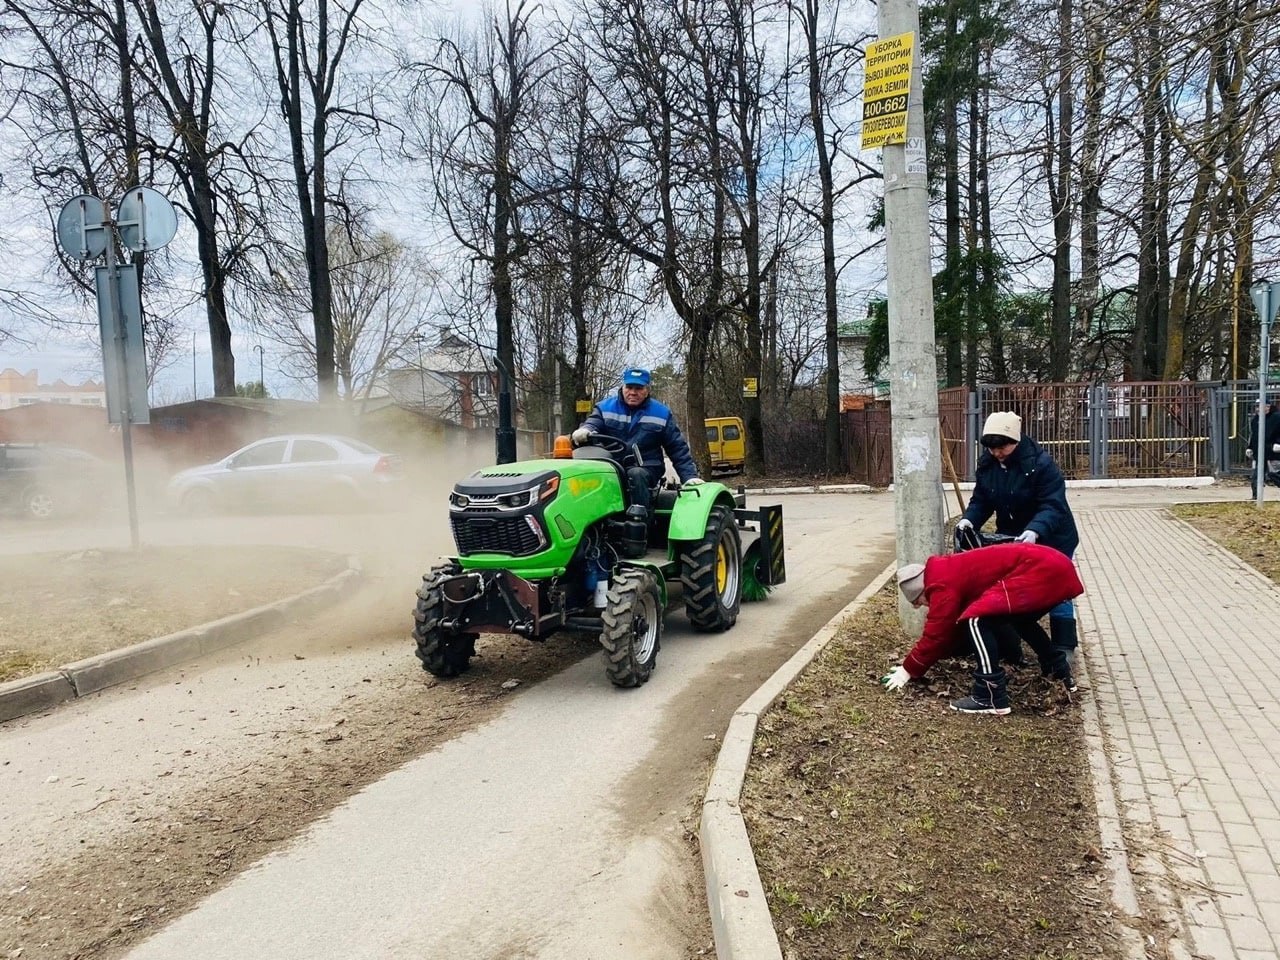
<point x="1019" y="482"/>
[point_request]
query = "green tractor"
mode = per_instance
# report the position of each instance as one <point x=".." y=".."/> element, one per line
<point x="550" y="545"/>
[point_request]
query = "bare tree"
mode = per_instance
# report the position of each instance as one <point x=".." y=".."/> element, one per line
<point x="382" y="292"/>
<point x="324" y="113"/>
<point x="73" y="101"/>
<point x="184" y="66"/>
<point x="474" y="103"/>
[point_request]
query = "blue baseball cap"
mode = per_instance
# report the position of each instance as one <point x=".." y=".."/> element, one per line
<point x="635" y="376"/>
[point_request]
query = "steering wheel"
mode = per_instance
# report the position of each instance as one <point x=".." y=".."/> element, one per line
<point x="616" y="449"/>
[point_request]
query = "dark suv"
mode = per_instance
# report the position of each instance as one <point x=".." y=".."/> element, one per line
<point x="44" y="481"/>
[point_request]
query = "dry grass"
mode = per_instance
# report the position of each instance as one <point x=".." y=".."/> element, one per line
<point x="888" y="826"/>
<point x="1251" y="534"/>
<point x="60" y="607"/>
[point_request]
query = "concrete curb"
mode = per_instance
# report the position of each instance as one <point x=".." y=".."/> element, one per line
<point x="1124" y="893"/>
<point x="46" y="690"/>
<point x="1168" y="482"/>
<point x="825" y="488"/>
<point x="740" y="917"/>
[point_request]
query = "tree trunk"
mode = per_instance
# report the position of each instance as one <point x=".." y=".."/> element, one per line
<point x="1063" y="201"/>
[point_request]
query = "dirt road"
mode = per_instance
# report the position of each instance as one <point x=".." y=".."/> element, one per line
<point x="397" y="817"/>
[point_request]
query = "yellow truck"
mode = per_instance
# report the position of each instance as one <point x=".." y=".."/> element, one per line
<point x="727" y="441"/>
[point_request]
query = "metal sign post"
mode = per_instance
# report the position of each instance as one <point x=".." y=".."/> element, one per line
<point x="118" y="350"/>
<point x="1266" y="298"/>
<point x="146" y="221"/>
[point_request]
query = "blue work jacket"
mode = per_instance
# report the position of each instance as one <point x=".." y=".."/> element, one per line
<point x="649" y="426"/>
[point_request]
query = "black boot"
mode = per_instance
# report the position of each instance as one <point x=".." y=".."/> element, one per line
<point x="1056" y="665"/>
<point x="990" y="695"/>
<point x="1062" y="633"/>
<point x="1062" y="641"/>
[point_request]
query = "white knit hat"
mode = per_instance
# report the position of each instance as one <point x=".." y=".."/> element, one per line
<point x="911" y="581"/>
<point x="1004" y="423"/>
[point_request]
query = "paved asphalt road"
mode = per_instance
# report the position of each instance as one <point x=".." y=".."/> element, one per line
<point x="560" y="829"/>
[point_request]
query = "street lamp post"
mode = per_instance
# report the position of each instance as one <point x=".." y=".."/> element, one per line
<point x="262" y="380"/>
<point x="422" y="372"/>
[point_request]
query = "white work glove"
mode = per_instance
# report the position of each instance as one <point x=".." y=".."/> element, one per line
<point x="964" y="524"/>
<point x="895" y="680"/>
<point x="1275" y="448"/>
<point x="1027" y="536"/>
<point x="580" y="436"/>
<point x="693" y="481"/>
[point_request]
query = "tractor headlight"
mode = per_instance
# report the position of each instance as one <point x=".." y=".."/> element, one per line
<point x="514" y="501"/>
<point x="459" y="500"/>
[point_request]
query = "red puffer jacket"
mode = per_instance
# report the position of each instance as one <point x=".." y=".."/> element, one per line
<point x="1009" y="578"/>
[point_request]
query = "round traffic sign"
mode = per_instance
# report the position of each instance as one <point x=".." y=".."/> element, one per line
<point x="81" y="231"/>
<point x="145" y="219"/>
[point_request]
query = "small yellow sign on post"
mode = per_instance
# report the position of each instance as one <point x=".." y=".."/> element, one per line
<point x="749" y="388"/>
<point x="886" y="89"/>
<point x="582" y="406"/>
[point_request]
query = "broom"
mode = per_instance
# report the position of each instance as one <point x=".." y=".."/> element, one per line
<point x="752" y="589"/>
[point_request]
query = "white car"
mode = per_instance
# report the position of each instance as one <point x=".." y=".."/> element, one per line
<point x="304" y="470"/>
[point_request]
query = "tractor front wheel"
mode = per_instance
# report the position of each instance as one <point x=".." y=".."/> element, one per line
<point x="632" y="627"/>
<point x="711" y="572"/>
<point x="443" y="654"/>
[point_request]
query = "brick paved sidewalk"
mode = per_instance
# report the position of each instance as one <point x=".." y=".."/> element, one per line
<point x="1182" y="643"/>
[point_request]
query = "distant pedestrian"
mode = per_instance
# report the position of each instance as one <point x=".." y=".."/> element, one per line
<point x="1271" y="444"/>
<point x="1019" y="482"/>
<point x="987" y="593"/>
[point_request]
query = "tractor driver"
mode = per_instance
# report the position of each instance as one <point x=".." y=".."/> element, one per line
<point x="634" y="417"/>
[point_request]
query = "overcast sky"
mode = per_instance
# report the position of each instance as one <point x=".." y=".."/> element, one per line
<point x="72" y="351"/>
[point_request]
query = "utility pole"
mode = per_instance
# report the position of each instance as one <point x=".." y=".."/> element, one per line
<point x="1266" y="297"/>
<point x="262" y="381"/>
<point x="917" y="471"/>
<point x="422" y="373"/>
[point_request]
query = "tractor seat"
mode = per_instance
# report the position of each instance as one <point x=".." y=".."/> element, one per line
<point x="664" y="499"/>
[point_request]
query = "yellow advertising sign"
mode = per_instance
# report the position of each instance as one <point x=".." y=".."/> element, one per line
<point x="886" y="88"/>
<point x="749" y="387"/>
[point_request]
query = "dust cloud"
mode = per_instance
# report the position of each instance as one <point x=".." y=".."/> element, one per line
<point x="396" y="535"/>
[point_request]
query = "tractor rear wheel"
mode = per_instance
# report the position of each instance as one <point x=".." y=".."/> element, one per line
<point x="632" y="627"/>
<point x="711" y="572"/>
<point x="443" y="654"/>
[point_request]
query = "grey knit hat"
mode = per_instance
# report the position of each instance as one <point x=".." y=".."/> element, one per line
<point x="911" y="581"/>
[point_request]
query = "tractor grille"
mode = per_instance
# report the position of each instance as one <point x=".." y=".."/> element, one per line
<point x="490" y="534"/>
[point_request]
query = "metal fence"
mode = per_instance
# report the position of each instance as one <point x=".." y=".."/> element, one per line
<point x="1099" y="430"/>
<point x="1092" y="430"/>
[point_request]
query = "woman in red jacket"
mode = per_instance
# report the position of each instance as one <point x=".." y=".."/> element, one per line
<point x="987" y="592"/>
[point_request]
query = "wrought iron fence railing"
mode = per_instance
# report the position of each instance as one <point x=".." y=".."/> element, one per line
<point x="1093" y="430"/>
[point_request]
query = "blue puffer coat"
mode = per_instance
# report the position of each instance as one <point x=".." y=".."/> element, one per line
<point x="651" y="427"/>
<point x="1027" y="492"/>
